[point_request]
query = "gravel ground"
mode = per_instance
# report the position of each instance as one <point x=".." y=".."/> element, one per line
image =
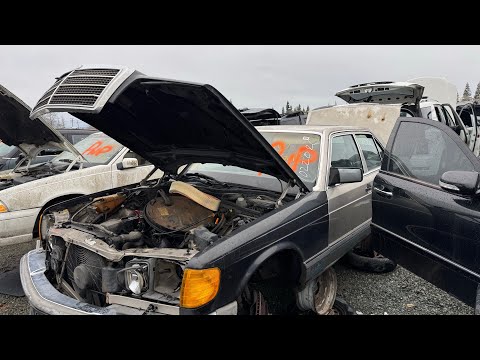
<point x="9" y="260"/>
<point x="399" y="292"/>
<point x="396" y="293"/>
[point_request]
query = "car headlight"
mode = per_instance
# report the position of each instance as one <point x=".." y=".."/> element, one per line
<point x="136" y="277"/>
<point x="3" y="207"/>
<point x="45" y="222"/>
<point x="199" y="287"/>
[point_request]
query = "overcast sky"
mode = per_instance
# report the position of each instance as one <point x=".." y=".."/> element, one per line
<point x="251" y="76"/>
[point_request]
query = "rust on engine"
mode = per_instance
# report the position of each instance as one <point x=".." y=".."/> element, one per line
<point x="183" y="214"/>
<point x="106" y="204"/>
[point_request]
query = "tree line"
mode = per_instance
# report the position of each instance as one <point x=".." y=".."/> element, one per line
<point x="288" y="109"/>
<point x="467" y="94"/>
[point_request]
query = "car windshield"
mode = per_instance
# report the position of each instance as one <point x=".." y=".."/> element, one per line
<point x="299" y="150"/>
<point x="5" y="149"/>
<point x="97" y="149"/>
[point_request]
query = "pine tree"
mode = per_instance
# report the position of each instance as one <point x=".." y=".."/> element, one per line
<point x="467" y="93"/>
<point x="283" y="111"/>
<point x="308" y="108"/>
<point x="477" y="92"/>
<point x="458" y="97"/>
<point x="288" y="108"/>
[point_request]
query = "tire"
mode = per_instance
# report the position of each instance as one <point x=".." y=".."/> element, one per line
<point x="376" y="264"/>
<point x="341" y="307"/>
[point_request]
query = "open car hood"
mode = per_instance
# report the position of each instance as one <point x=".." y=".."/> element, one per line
<point x="438" y="89"/>
<point x="385" y="92"/>
<point x="31" y="136"/>
<point x="379" y="118"/>
<point x="170" y="123"/>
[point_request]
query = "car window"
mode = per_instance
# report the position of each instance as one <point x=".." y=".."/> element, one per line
<point x="380" y="148"/>
<point x="369" y="150"/>
<point x="426" y="112"/>
<point x="77" y="137"/>
<point x="345" y="153"/>
<point x="141" y="160"/>
<point x="466" y="115"/>
<point x="425" y="152"/>
<point x="438" y="112"/>
<point x="448" y="117"/>
<point x="404" y="113"/>
<point x="5" y="149"/>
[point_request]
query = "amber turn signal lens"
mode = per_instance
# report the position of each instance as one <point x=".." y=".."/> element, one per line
<point x="3" y="208"/>
<point x="199" y="287"/>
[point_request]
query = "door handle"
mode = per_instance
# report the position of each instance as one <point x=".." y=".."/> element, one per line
<point x="368" y="188"/>
<point x="387" y="194"/>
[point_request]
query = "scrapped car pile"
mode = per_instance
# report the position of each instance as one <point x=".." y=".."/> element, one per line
<point x="180" y="205"/>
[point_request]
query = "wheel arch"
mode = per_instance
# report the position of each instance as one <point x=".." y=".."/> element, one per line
<point x="289" y="250"/>
<point x="50" y="202"/>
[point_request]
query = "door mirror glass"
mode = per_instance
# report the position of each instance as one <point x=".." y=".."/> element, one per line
<point x="127" y="163"/>
<point x="344" y="175"/>
<point x="460" y="182"/>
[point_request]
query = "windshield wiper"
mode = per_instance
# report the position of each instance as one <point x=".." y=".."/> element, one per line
<point x="208" y="179"/>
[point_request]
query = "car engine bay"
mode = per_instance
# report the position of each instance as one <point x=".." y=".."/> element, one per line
<point x="31" y="173"/>
<point x="137" y="242"/>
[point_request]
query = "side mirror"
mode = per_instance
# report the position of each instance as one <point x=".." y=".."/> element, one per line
<point x="344" y="175"/>
<point x="460" y="182"/>
<point x="127" y="163"/>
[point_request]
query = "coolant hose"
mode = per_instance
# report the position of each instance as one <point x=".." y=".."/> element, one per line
<point x="131" y="236"/>
<point x="129" y="245"/>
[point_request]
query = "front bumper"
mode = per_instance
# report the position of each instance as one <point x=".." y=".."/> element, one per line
<point x="44" y="298"/>
<point x="17" y="226"/>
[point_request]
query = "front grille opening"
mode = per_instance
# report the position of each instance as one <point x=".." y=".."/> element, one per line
<point x="74" y="100"/>
<point x="87" y="80"/>
<point x="76" y="89"/>
<point x="96" y="72"/>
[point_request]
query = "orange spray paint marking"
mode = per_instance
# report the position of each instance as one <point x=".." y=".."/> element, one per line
<point x="294" y="159"/>
<point x="96" y="149"/>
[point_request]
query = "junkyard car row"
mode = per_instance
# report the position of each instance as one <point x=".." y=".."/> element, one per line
<point x="179" y="205"/>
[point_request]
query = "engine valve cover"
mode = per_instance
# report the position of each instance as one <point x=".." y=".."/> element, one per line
<point x="183" y="214"/>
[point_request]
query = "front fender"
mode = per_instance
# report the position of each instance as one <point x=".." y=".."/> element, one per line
<point x="265" y="255"/>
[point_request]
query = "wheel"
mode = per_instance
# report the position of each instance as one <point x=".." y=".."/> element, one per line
<point x="319" y="293"/>
<point x="252" y="302"/>
<point x="341" y="307"/>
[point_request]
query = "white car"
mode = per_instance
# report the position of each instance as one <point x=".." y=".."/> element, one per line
<point x="94" y="164"/>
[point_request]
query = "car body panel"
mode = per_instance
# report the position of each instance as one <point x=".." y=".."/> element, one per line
<point x="428" y="230"/>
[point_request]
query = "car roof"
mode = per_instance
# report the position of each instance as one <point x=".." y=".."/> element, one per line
<point x="324" y="129"/>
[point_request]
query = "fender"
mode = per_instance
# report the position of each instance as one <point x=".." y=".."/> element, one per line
<point x="265" y="255"/>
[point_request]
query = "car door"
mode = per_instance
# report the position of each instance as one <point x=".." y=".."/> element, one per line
<point x="349" y="205"/>
<point x="427" y="229"/>
<point x="127" y="176"/>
